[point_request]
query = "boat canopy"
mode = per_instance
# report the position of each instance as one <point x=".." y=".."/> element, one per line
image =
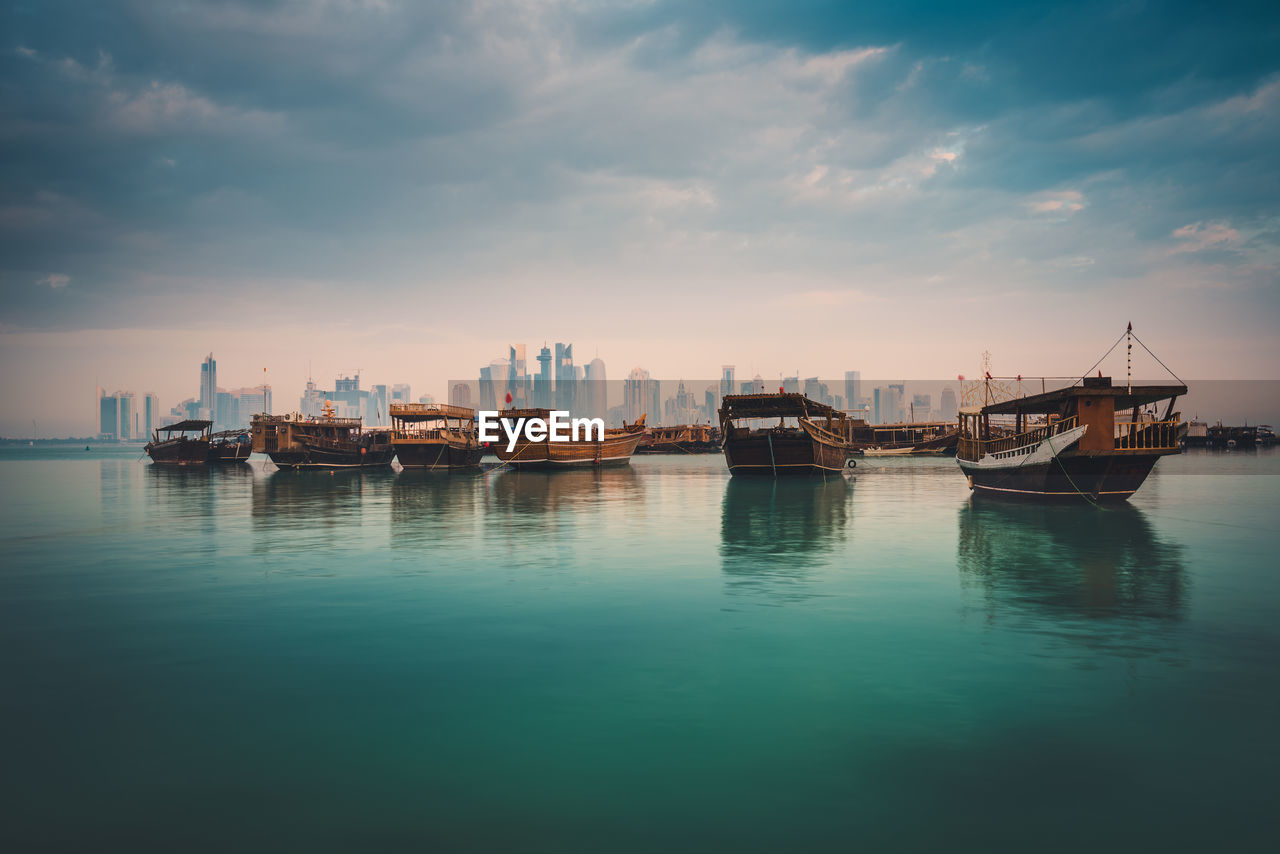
<point x="1093" y="387"/>
<point x="430" y="411"/>
<point x="188" y="426"/>
<point x="776" y="405"/>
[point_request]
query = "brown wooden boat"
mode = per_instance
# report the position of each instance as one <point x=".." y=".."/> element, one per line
<point x="914" y="438"/>
<point x="230" y="446"/>
<point x="616" y="448"/>
<point x="185" y="443"/>
<point x="435" y="436"/>
<point x="683" y="438"/>
<point x="808" y="437"/>
<point x="300" y="442"/>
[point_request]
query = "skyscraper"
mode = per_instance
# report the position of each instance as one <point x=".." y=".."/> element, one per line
<point x="640" y="396"/>
<point x="852" y="389"/>
<point x="947" y="408"/>
<point x="209" y="387"/>
<point x="150" y="414"/>
<point x="726" y="380"/>
<point x="566" y="380"/>
<point x="595" y="402"/>
<point x="542" y="383"/>
<point x="108" y="415"/>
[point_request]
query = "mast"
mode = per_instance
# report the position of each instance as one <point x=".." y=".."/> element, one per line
<point x="1128" y="334"/>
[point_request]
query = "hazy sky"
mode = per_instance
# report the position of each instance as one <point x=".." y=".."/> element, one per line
<point x="815" y="186"/>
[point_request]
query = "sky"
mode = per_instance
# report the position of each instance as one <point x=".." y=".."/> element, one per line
<point x="801" y="187"/>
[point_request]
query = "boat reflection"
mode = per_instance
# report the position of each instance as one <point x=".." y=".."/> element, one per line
<point x="1101" y="577"/>
<point x="773" y="532"/>
<point x="544" y="492"/>
<point x="431" y="509"/>
<point x="287" y="502"/>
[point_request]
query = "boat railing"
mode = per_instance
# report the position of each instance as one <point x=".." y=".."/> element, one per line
<point x="1147" y="435"/>
<point x="973" y="449"/>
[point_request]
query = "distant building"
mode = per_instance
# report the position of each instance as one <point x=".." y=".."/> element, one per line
<point x="460" y="394"/>
<point x="595" y="388"/>
<point x="250" y="401"/>
<point x="400" y="393"/>
<point x="566" y="378"/>
<point x="791" y="385"/>
<point x="852" y="388"/>
<point x="108" y="416"/>
<point x="640" y="396"/>
<point x="947" y="409"/>
<point x="921" y="407"/>
<point x="150" y="414"/>
<point x="208" y="388"/>
<point x="543" y="383"/>
<point x="430" y="398"/>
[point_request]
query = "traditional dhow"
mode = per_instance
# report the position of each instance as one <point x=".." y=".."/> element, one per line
<point x="435" y="436"/>
<point x="183" y="444"/>
<point x="684" y="438"/>
<point x="301" y="442"/>
<point x="590" y="447"/>
<point x="230" y="446"/>
<point x="937" y="438"/>
<point x="1068" y="444"/>
<point x="808" y="437"/>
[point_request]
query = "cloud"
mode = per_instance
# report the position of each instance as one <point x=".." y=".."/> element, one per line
<point x="55" y="281"/>
<point x="1199" y="236"/>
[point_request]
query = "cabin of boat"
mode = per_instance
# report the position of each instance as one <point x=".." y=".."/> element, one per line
<point x="809" y="438"/>
<point x="185" y="443"/>
<point x="1068" y="443"/>
<point x="615" y="449"/>
<point x="230" y="446"/>
<point x="308" y="442"/>
<point x="686" y="438"/>
<point x="435" y="436"/>
<point x="936" y="438"/>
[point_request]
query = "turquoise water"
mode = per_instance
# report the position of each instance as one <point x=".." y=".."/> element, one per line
<point x="640" y="659"/>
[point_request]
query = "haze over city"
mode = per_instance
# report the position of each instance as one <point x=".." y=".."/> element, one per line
<point x="324" y="188"/>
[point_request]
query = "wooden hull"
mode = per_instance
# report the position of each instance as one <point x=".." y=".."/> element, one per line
<point x="784" y="453"/>
<point x="679" y="448"/>
<point x="436" y="455"/>
<point x="179" y="452"/>
<point x="333" y="458"/>
<point x="230" y="452"/>
<point x="615" y="450"/>
<point x="1071" y="477"/>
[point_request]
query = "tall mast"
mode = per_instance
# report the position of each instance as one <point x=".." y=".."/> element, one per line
<point x="1128" y="334"/>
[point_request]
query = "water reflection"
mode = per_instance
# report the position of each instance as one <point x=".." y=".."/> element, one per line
<point x="432" y="509"/>
<point x="513" y="492"/>
<point x="773" y="532"/>
<point x="317" y="507"/>
<point x="1098" y="577"/>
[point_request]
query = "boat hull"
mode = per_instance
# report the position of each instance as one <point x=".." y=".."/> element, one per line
<point x="784" y="455"/>
<point x="614" y="450"/>
<point x="437" y="455"/>
<point x="179" y="452"/>
<point x="333" y="458"/>
<point x="1069" y="477"/>
<point x="230" y="453"/>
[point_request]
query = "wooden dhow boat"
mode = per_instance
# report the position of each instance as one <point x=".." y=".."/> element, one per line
<point x="230" y="446"/>
<point x="1070" y="443"/>
<point x="435" y="436"/>
<point x="807" y="439"/>
<point x="615" y="449"/>
<point x="910" y="439"/>
<point x="185" y="443"/>
<point x="683" y="438"/>
<point x="325" y="442"/>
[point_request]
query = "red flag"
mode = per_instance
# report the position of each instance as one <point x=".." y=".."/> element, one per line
<point x="508" y="397"/>
<point x="960" y="377"/>
<point x="780" y="390"/>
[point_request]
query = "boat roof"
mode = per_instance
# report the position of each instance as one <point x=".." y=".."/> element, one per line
<point x="430" y="411"/>
<point x="1126" y="397"/>
<point x="775" y="405"/>
<point x="184" y="426"/>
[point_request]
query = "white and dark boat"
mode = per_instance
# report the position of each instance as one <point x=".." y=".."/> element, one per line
<point x="185" y="443"/>
<point x="325" y="442"/>
<point x="435" y="436"/>
<point x="1071" y="443"/>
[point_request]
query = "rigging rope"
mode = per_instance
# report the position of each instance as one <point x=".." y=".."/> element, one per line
<point x="1157" y="358"/>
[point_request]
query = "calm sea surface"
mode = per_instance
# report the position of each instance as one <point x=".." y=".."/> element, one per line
<point x="649" y="658"/>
